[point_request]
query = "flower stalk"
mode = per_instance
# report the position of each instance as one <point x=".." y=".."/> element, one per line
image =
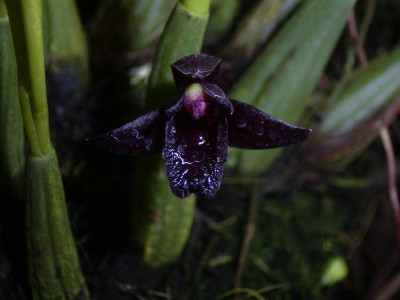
<point x="163" y="222"/>
<point x="174" y="44"/>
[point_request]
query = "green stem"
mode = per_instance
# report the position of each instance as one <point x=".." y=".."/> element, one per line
<point x="162" y="220"/>
<point x="26" y="25"/>
<point x="32" y="12"/>
<point x="29" y="123"/>
<point x="3" y="9"/>
<point x="199" y="7"/>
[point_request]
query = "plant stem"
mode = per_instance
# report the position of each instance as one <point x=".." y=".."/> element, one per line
<point x="163" y="221"/>
<point x="26" y="26"/>
<point x="199" y="7"/>
<point x="29" y="123"/>
<point x="249" y="234"/>
<point x="391" y="163"/>
<point x="3" y="9"/>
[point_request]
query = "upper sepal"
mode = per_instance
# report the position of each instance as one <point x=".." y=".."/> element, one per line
<point x="251" y="128"/>
<point x="197" y="66"/>
<point x="142" y="136"/>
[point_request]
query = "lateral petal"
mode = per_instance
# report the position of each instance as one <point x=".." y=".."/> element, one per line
<point x="251" y="128"/>
<point x="142" y="136"/>
<point x="217" y="95"/>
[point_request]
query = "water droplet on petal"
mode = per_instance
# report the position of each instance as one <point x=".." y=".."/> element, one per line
<point x="259" y="131"/>
<point x="148" y="143"/>
<point x="240" y="123"/>
<point x="201" y="139"/>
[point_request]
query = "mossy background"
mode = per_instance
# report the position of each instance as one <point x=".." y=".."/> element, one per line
<point x="303" y="216"/>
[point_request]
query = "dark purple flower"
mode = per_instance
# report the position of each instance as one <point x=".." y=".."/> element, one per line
<point x="193" y="134"/>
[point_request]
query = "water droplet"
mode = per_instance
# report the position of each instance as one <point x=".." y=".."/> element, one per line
<point x="259" y="131"/>
<point x="201" y="139"/>
<point x="148" y="143"/>
<point x="240" y="123"/>
<point x="181" y="150"/>
<point x="134" y="132"/>
<point x="115" y="138"/>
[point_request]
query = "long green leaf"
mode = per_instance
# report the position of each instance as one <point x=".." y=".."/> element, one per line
<point x="367" y="102"/>
<point x="368" y="91"/>
<point x="12" y="157"/>
<point x="65" y="42"/>
<point x="285" y="73"/>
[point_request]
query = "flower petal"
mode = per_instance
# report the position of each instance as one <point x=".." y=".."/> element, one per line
<point x="217" y="95"/>
<point x="142" y="136"/>
<point x="253" y="129"/>
<point x="174" y="109"/>
<point x="195" y="155"/>
<point x="197" y="66"/>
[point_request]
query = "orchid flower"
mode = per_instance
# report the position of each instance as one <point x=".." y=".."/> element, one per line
<point x="194" y="133"/>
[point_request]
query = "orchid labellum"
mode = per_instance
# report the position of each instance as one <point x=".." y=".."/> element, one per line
<point x="193" y="134"/>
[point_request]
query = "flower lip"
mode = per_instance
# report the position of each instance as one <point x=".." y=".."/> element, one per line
<point x="197" y="66"/>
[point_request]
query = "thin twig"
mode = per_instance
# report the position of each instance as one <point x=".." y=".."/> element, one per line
<point x="390" y="290"/>
<point x="391" y="161"/>
<point x="250" y="229"/>
<point x="369" y="15"/>
<point x="360" y="52"/>
<point x="359" y="37"/>
<point x="364" y="228"/>
<point x="384" y="133"/>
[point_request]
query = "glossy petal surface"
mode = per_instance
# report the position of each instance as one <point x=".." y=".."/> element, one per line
<point x="197" y="66"/>
<point x="195" y="155"/>
<point x="251" y="128"/>
<point x="217" y="95"/>
<point x="142" y="136"/>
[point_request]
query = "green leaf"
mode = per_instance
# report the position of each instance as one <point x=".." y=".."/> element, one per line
<point x="65" y="42"/>
<point x="365" y="104"/>
<point x="370" y="89"/>
<point x="12" y="156"/>
<point x="286" y="72"/>
<point x="335" y="271"/>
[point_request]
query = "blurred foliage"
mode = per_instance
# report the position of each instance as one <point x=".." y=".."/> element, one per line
<point x="306" y="215"/>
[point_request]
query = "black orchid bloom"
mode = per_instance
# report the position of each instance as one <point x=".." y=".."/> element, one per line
<point x="193" y="134"/>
